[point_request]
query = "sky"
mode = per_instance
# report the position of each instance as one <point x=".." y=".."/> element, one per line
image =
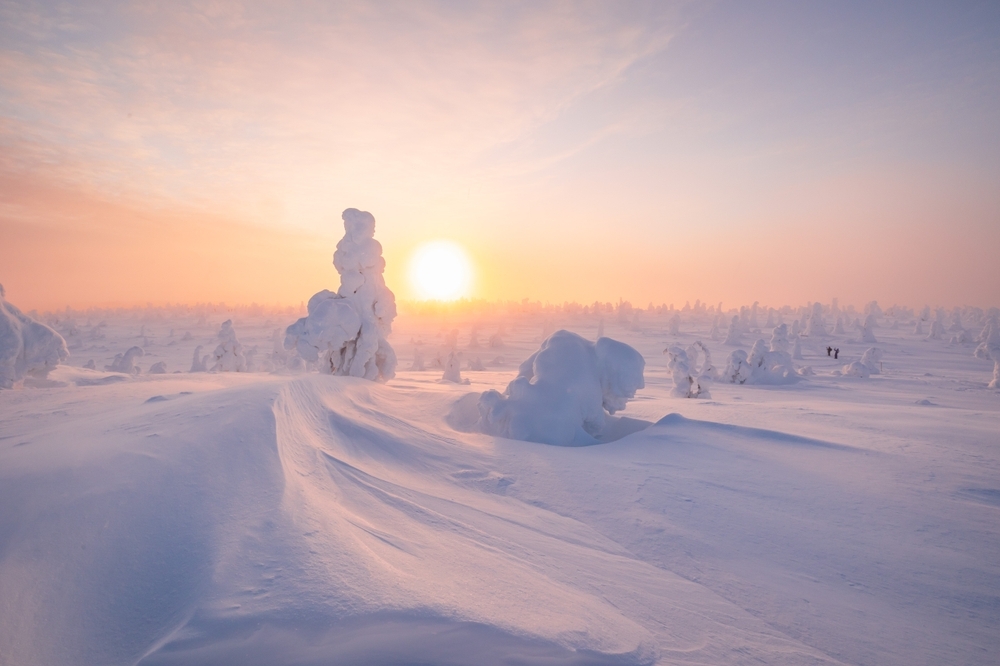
<point x="781" y="152"/>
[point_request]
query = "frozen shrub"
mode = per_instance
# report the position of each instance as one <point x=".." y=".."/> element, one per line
<point x="199" y="363"/>
<point x="737" y="370"/>
<point x="779" y="338"/>
<point x="706" y="371"/>
<point x="675" y="324"/>
<point x="797" y="349"/>
<point x="418" y="359"/>
<point x="989" y="349"/>
<point x="734" y="336"/>
<point x="918" y="328"/>
<point x="345" y="332"/>
<point x="686" y="385"/>
<point x="158" y="368"/>
<point x="937" y="326"/>
<point x="453" y="368"/>
<point x="28" y="348"/>
<point x="476" y="364"/>
<point x="865" y="329"/>
<point x="816" y="326"/>
<point x="229" y="354"/>
<point x="562" y="391"/>
<point x="868" y="364"/>
<point x="760" y="366"/>
<point x="126" y="362"/>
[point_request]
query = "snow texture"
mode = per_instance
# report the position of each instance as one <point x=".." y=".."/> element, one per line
<point x="28" y="348"/>
<point x="562" y="391"/>
<point x="345" y="332"/>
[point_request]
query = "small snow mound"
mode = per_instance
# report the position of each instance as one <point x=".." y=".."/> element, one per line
<point x="563" y="391"/>
<point x="345" y="332"/>
<point x="28" y="348"/>
<point x="158" y="368"/>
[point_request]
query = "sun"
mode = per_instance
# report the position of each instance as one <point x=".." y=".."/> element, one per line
<point x="441" y="271"/>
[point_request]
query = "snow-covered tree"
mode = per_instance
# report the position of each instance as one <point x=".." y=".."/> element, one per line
<point x="27" y="347"/>
<point x="346" y="332"/>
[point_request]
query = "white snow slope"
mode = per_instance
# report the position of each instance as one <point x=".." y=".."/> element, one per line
<point x="250" y="518"/>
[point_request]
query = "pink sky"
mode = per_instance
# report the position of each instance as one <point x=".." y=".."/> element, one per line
<point x="652" y="151"/>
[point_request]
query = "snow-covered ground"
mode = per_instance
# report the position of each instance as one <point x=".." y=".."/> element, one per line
<point x="298" y="518"/>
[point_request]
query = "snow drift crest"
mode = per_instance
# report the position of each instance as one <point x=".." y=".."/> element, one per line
<point x="561" y="391"/>
<point x="345" y="332"/>
<point x="27" y="347"/>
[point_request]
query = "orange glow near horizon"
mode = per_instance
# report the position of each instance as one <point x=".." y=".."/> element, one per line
<point x="168" y="152"/>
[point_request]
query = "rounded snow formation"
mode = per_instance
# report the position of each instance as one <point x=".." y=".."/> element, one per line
<point x="27" y="348"/>
<point x="989" y="348"/>
<point x="816" y="325"/>
<point x="345" y="332"/>
<point x="562" y="391"/>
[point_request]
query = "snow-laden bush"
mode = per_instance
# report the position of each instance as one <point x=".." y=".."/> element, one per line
<point x="816" y="326"/>
<point x="760" y="366"/>
<point x="868" y="364"/>
<point x="706" y="371"/>
<point x="937" y="327"/>
<point x="779" y="338"/>
<point x="158" y="368"/>
<point x="228" y="355"/>
<point x="199" y="363"/>
<point x="125" y="363"/>
<point x="345" y="332"/>
<point x="562" y="391"/>
<point x="989" y="349"/>
<point x="453" y="368"/>
<point x="675" y="324"/>
<point x="28" y="348"/>
<point x="865" y="329"/>
<point x="734" y="336"/>
<point x="686" y="384"/>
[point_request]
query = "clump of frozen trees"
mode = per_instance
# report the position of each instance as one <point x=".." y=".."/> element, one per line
<point x="564" y="391"/>
<point x="345" y="332"/>
<point x="28" y="348"/>
<point x="765" y="364"/>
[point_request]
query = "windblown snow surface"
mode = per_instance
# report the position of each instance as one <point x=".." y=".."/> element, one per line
<point x="279" y="518"/>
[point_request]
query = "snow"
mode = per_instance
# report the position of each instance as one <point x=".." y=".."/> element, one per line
<point x="345" y="333"/>
<point x="686" y="385"/>
<point x="562" y="391"/>
<point x="125" y="363"/>
<point x="28" y="348"/>
<point x="228" y="355"/>
<point x="280" y="518"/>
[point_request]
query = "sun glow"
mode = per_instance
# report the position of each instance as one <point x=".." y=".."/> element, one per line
<point x="440" y="270"/>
